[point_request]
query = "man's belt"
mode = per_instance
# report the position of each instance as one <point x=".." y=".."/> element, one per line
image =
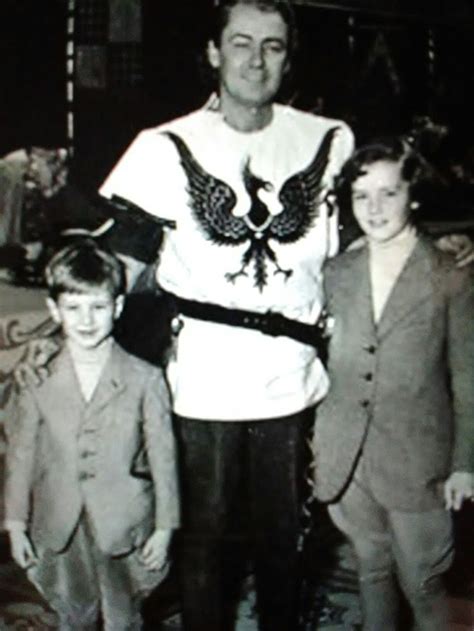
<point x="269" y="323"/>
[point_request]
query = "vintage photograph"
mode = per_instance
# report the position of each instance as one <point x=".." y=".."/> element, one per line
<point x="236" y="315"/>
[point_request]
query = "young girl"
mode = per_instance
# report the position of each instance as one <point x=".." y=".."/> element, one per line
<point x="394" y="439"/>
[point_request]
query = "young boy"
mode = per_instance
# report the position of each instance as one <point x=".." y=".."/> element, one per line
<point x="91" y="487"/>
<point x="394" y="439"/>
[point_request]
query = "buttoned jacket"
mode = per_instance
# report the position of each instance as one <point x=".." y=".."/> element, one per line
<point x="113" y="456"/>
<point x="402" y="390"/>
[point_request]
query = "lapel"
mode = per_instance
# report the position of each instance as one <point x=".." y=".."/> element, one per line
<point x="411" y="288"/>
<point x="356" y="295"/>
<point x="61" y="392"/>
<point x="112" y="382"/>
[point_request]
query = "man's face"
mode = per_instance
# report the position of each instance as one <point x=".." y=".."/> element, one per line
<point x="251" y="57"/>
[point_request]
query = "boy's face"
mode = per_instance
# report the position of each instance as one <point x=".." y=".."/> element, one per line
<point x="381" y="200"/>
<point x="86" y="319"/>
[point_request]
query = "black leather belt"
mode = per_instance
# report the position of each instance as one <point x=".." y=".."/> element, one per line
<point x="269" y="323"/>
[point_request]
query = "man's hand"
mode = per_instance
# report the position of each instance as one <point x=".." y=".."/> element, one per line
<point x="460" y="245"/>
<point x="357" y="243"/>
<point x="22" y="549"/>
<point x="458" y="487"/>
<point x="155" y="551"/>
<point x="33" y="366"/>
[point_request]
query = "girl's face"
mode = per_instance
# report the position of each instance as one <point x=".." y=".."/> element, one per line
<point x="381" y="200"/>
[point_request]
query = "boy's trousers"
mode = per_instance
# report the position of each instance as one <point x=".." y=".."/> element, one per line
<point x="81" y="584"/>
<point x="415" y="547"/>
<point x="242" y="482"/>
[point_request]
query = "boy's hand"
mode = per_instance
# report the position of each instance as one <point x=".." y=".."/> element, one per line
<point x="155" y="550"/>
<point x="460" y="245"/>
<point x="33" y="366"/>
<point x="458" y="487"/>
<point x="21" y="548"/>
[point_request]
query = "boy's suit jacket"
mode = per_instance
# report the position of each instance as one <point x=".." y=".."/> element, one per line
<point x="113" y="456"/>
<point x="402" y="391"/>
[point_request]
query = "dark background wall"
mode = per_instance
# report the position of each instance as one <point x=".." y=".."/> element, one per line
<point x="32" y="72"/>
<point x="365" y="61"/>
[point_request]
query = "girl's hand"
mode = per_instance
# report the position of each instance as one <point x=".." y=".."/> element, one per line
<point x="22" y="549"/>
<point x="155" y="551"/>
<point x="458" y="487"/>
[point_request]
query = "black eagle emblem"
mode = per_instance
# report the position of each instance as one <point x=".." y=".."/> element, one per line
<point x="212" y="201"/>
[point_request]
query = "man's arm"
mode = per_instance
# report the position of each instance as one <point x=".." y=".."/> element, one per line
<point x="145" y="176"/>
<point x="134" y="234"/>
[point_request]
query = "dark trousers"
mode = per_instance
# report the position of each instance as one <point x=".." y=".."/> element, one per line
<point x="253" y="470"/>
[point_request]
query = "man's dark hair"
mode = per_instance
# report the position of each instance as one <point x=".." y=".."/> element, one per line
<point x="83" y="267"/>
<point x="221" y="16"/>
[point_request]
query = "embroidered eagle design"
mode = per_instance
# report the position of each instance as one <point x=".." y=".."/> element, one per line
<point x="212" y="202"/>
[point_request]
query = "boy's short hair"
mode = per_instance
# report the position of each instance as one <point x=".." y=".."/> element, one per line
<point x="82" y="267"/>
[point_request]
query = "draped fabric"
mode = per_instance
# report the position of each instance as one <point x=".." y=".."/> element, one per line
<point x="12" y="170"/>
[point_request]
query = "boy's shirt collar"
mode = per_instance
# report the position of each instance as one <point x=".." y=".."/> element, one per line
<point x="112" y="380"/>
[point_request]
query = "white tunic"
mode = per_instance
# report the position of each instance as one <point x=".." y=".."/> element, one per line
<point x="222" y="372"/>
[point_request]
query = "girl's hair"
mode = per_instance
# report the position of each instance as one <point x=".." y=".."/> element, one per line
<point x="221" y="16"/>
<point x="83" y="267"/>
<point x="389" y="149"/>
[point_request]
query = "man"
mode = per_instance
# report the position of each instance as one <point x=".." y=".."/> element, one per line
<point x="245" y="183"/>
